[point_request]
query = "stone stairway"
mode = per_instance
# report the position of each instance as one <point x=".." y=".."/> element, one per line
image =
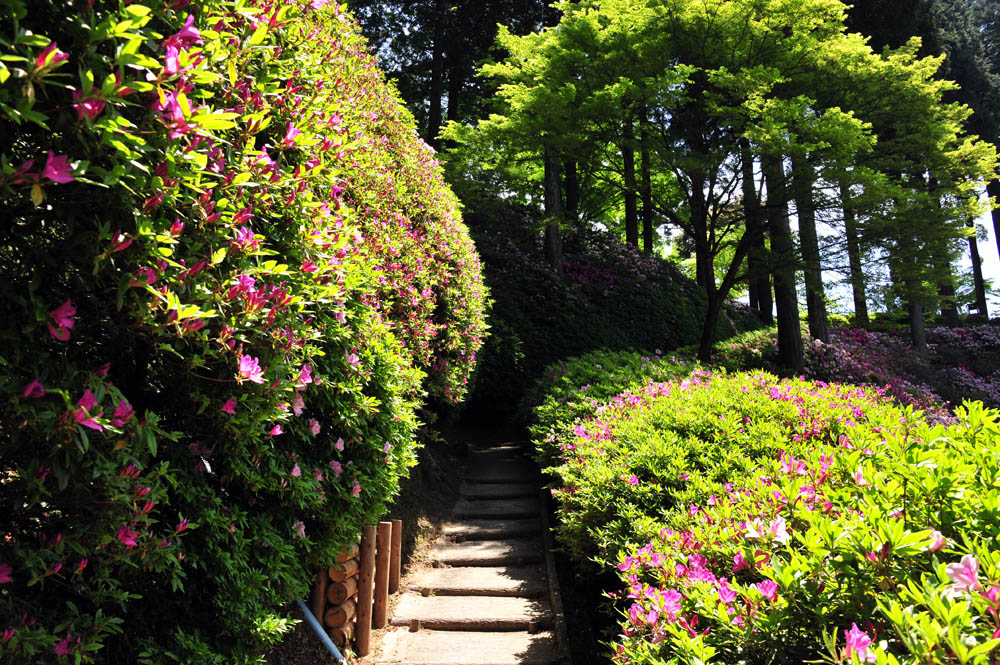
<point x="487" y="599"/>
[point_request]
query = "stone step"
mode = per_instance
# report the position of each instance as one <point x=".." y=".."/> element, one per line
<point x="490" y="529"/>
<point x="472" y="613"/>
<point x="487" y="552"/>
<point x="497" y="508"/>
<point x="504" y="471"/>
<point x="428" y="647"/>
<point x="528" y="582"/>
<point x="483" y="491"/>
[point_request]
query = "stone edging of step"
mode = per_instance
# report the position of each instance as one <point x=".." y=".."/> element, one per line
<point x="555" y="596"/>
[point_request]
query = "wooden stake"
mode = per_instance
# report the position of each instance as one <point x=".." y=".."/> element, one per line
<point x="338" y="615"/>
<point x="363" y="631"/>
<point x="396" y="555"/>
<point x="318" y="603"/>
<point x="380" y="614"/>
<point x="342" y="634"/>
<point x="338" y="592"/>
<point x="342" y="571"/>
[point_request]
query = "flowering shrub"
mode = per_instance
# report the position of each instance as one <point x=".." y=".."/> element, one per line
<point x="230" y="271"/>
<point x="610" y="296"/>
<point x="753" y="519"/>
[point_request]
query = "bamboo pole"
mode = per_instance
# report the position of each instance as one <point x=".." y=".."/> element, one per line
<point x="396" y="555"/>
<point x="363" y="631"/>
<point x="338" y="615"/>
<point x="380" y="613"/>
<point x="338" y="592"/>
<point x="341" y="572"/>
<point x="318" y="602"/>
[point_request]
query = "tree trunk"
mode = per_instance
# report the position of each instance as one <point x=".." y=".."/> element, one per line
<point x="758" y="277"/>
<point x="455" y="84"/>
<point x="977" y="273"/>
<point x="437" y="75"/>
<point x="783" y="265"/>
<point x="647" y="189"/>
<point x="993" y="189"/>
<point x="708" y="329"/>
<point x="803" y="179"/>
<point x="858" y="287"/>
<point x="946" y="291"/>
<point x="553" y="211"/>
<point x="628" y="162"/>
<point x="918" y="332"/>
<point x="572" y="183"/>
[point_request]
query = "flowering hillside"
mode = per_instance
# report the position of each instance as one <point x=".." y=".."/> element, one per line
<point x="231" y="273"/>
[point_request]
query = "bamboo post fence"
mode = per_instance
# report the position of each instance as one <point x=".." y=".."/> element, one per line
<point x="351" y="596"/>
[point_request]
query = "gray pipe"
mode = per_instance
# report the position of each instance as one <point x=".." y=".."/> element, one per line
<point x="318" y="629"/>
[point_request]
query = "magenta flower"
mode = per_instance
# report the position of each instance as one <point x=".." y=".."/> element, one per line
<point x="305" y="375"/>
<point x="5" y="572"/>
<point x="229" y="407"/>
<point x="34" y="389"/>
<point x="858" y="643"/>
<point x="119" y="242"/>
<point x="276" y="430"/>
<point x="296" y="471"/>
<point x="81" y="417"/>
<point x="336" y="468"/>
<point x="739" y="562"/>
<point x="768" y="589"/>
<point x="187" y="36"/>
<point x="726" y="593"/>
<point x="183" y="524"/>
<point x="8" y="634"/>
<point x="62" y="648"/>
<point x="127" y="536"/>
<point x="250" y="369"/>
<point x="87" y="107"/>
<point x="356" y="489"/>
<point x="170" y="65"/>
<point x="50" y="57"/>
<point x="122" y="413"/>
<point x="63" y="316"/>
<point x="57" y="169"/>
<point x="82" y="564"/>
<point x="965" y="574"/>
<point x="314" y="426"/>
<point x="290" y="135"/>
<point x="88" y="401"/>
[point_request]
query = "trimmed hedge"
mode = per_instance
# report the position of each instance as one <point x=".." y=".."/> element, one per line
<point x="231" y="271"/>
<point x="757" y="520"/>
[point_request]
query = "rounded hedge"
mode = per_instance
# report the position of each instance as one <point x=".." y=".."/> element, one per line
<point x="231" y="271"/>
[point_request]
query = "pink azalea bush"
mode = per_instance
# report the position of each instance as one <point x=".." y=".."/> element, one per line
<point x="230" y="273"/>
<point x="756" y="520"/>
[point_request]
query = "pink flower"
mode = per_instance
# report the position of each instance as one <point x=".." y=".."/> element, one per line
<point x="81" y="417"/>
<point x="290" y="135"/>
<point x="88" y="401"/>
<point x="939" y="541"/>
<point x="352" y="359"/>
<point x="187" y="36"/>
<point x="89" y="107"/>
<point x="299" y="529"/>
<point x="965" y="574"/>
<point x="250" y="369"/>
<point x="339" y="445"/>
<point x="57" y="169"/>
<point x="44" y="61"/>
<point x="739" y="562"/>
<point x="859" y="477"/>
<point x="336" y="468"/>
<point x="356" y="490"/>
<point x="63" y="647"/>
<point x="296" y="471"/>
<point x="298" y="404"/>
<point x="778" y="530"/>
<point x="229" y="407"/>
<point x="127" y="536"/>
<point x="858" y="643"/>
<point x="632" y="480"/>
<point x="305" y="375"/>
<point x="63" y="316"/>
<point x="8" y="634"/>
<point x="5" y="572"/>
<point x="276" y="430"/>
<point x="170" y="64"/>
<point x="34" y="389"/>
<point x="122" y="413"/>
<point x="82" y="564"/>
<point x="768" y="589"/>
<point x="119" y="241"/>
<point x="182" y="525"/>
<point x="726" y="593"/>
<point x="314" y="426"/>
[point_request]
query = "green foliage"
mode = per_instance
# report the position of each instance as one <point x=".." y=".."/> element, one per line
<point x="608" y="297"/>
<point x="753" y="519"/>
<point x="231" y="273"/>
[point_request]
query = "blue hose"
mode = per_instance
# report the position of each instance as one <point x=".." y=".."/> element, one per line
<point x="318" y="629"/>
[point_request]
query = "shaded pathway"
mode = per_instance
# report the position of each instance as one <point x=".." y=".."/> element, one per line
<point x="487" y="600"/>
